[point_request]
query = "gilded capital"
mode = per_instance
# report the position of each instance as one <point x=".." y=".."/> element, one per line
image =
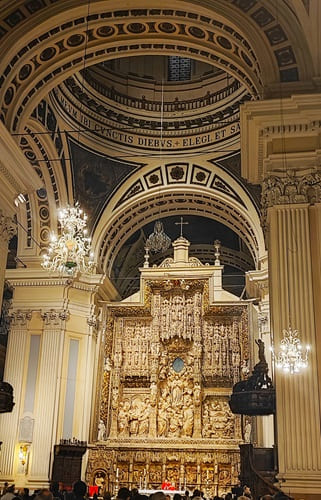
<point x="8" y="228"/>
<point x="54" y="317"/>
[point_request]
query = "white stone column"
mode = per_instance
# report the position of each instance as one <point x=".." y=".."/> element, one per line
<point x="48" y="388"/>
<point x="7" y="231"/>
<point x="13" y="374"/>
<point x="291" y="293"/>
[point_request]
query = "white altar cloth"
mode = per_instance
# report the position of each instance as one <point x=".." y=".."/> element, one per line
<point x="167" y="492"/>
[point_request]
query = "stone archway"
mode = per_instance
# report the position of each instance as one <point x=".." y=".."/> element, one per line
<point x="217" y="196"/>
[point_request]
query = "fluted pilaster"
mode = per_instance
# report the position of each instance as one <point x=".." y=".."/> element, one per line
<point x="298" y="401"/>
<point x="47" y="393"/>
<point x="13" y="374"/>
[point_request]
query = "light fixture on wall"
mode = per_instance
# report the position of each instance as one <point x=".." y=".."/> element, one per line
<point x="158" y="241"/>
<point x="70" y="252"/>
<point x="292" y="357"/>
<point x="23" y="454"/>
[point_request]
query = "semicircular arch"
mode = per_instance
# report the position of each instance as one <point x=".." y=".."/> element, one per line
<point x="157" y="191"/>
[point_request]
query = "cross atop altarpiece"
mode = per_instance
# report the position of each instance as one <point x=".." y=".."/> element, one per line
<point x="181" y="223"/>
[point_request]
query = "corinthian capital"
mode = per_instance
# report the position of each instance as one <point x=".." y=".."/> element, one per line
<point x="54" y="317"/>
<point x="291" y="189"/>
<point x="8" y="227"/>
<point x="20" y="317"/>
<point x="92" y="321"/>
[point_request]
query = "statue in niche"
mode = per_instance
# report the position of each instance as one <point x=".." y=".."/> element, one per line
<point x="188" y="422"/>
<point x="123" y="417"/>
<point x="153" y="393"/>
<point x="197" y="394"/>
<point x="136" y="410"/>
<point x="101" y="431"/>
<point x="189" y="313"/>
<point x="247" y="432"/>
<point x="144" y="418"/>
<point x="162" y="421"/>
<point x="163" y="364"/>
<point x="177" y="386"/>
<point x="178" y="308"/>
<point x="114" y="401"/>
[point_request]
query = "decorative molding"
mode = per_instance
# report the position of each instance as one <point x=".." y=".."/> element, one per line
<point x="36" y="283"/>
<point x="9" y="177"/>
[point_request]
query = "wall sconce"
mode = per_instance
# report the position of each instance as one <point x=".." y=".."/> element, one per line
<point x="23" y="454"/>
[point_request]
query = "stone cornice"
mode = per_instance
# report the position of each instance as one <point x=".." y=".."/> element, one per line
<point x="262" y="122"/>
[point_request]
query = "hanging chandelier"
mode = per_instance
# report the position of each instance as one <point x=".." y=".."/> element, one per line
<point x="70" y="252"/>
<point x="158" y="241"/>
<point x="292" y="357"/>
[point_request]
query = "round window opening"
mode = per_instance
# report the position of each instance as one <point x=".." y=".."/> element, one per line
<point x="178" y="365"/>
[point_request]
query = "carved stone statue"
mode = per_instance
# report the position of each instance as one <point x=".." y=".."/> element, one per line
<point x="153" y="393"/>
<point x="188" y="421"/>
<point x="260" y="343"/>
<point x="123" y="418"/>
<point x="247" y="432"/>
<point x="197" y="394"/>
<point x="101" y="431"/>
<point x="144" y="418"/>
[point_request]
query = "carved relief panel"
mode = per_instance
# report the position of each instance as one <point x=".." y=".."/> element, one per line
<point x="178" y="312"/>
<point x="136" y="337"/>
<point x="222" y="350"/>
<point x="218" y="420"/>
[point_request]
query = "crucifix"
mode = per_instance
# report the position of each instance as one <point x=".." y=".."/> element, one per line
<point x="181" y="223"/>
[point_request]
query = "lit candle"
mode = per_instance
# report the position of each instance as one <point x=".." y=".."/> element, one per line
<point x="117" y="472"/>
<point x="207" y="475"/>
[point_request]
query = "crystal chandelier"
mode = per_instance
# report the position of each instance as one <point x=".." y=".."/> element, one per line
<point x="158" y="241"/>
<point x="70" y="252"/>
<point x="291" y="358"/>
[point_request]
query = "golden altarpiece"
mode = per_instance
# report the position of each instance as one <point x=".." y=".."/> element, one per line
<point x="172" y="353"/>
